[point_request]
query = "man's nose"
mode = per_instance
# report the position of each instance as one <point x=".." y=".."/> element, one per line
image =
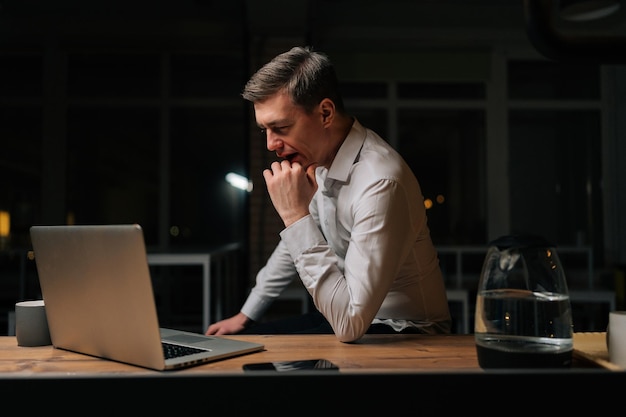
<point x="273" y="142"/>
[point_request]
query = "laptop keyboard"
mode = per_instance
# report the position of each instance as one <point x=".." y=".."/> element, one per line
<point x="171" y="350"/>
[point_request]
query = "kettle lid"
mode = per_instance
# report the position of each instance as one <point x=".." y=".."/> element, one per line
<point x="520" y="241"/>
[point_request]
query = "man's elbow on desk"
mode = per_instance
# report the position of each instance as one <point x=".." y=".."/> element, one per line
<point x="349" y="334"/>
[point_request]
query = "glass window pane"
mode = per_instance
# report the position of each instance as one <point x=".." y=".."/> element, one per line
<point x="551" y="80"/>
<point x="445" y="149"/>
<point x="206" y="144"/>
<point x="114" y="75"/>
<point x="555" y="175"/>
<point x="21" y="75"/>
<point x="20" y="169"/>
<point x="352" y="90"/>
<point x="113" y="167"/>
<point x="204" y="75"/>
<point x="441" y="91"/>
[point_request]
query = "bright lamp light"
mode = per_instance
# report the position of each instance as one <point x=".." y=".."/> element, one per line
<point x="239" y="181"/>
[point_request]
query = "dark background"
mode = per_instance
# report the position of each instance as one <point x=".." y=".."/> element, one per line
<point x="130" y="112"/>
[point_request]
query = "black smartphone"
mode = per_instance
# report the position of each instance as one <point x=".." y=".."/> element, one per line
<point x="285" y="366"/>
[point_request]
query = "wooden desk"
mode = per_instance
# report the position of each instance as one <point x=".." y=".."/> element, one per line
<point x="374" y="353"/>
<point x="430" y="372"/>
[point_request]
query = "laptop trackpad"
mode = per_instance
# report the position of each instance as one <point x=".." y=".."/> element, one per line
<point x="187" y="338"/>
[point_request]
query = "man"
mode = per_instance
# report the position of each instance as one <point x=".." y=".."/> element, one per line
<point x="356" y="231"/>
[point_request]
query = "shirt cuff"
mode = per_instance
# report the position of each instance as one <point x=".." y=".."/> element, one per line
<point x="255" y="306"/>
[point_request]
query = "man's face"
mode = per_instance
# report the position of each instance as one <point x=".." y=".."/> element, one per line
<point x="292" y="133"/>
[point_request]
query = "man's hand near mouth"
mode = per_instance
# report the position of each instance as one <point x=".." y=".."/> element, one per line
<point x="291" y="188"/>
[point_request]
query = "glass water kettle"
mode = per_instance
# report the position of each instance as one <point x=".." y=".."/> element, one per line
<point x="523" y="316"/>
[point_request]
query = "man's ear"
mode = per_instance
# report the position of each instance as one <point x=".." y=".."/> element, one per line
<point x="327" y="111"/>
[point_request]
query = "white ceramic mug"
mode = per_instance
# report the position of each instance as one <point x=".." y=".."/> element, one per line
<point x="31" y="324"/>
<point x="616" y="338"/>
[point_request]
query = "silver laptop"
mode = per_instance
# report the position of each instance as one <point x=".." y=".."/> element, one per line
<point x="96" y="285"/>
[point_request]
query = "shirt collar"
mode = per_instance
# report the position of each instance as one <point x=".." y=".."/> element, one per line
<point x="348" y="153"/>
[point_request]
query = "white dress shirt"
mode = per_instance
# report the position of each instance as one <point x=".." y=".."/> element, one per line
<point x="364" y="253"/>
